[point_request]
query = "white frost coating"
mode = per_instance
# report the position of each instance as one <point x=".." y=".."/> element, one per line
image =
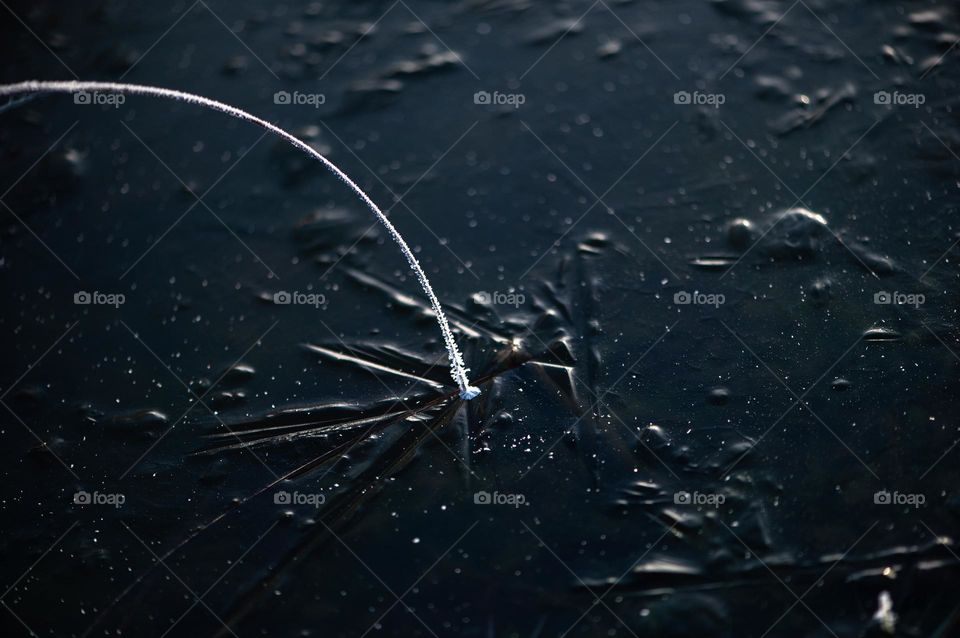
<point x="884" y="616"/>
<point x="457" y="369"/>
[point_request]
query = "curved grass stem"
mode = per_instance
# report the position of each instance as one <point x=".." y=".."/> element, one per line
<point x="24" y="89"/>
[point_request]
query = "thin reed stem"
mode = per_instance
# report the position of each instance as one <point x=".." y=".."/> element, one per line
<point x="23" y="89"/>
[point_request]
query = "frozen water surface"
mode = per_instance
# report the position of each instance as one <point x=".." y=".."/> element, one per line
<point x="700" y="258"/>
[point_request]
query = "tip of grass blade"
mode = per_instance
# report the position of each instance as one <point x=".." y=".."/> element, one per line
<point x="471" y="392"/>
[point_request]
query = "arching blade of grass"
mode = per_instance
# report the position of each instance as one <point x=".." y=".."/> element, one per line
<point x="18" y="92"/>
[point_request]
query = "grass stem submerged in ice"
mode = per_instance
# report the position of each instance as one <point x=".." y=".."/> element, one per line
<point x="18" y="92"/>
